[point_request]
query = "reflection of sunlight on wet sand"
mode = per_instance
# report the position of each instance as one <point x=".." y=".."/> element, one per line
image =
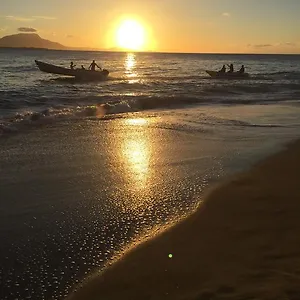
<point x="136" y="151"/>
<point x="138" y="121"/>
<point x="131" y="147"/>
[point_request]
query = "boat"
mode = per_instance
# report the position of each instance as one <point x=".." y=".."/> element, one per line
<point x="227" y="75"/>
<point x="80" y="74"/>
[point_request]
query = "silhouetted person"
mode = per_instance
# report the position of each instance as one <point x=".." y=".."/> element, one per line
<point x="242" y="69"/>
<point x="82" y="67"/>
<point x="223" y="70"/>
<point x="230" y="68"/>
<point x="93" y="66"/>
<point x="72" y="66"/>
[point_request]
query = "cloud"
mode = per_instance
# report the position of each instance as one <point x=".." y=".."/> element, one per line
<point x="261" y="45"/>
<point x="226" y="14"/>
<point x="69" y="36"/>
<point x="288" y="44"/>
<point x="291" y="44"/>
<point x="44" y="17"/>
<point x="27" y="29"/>
<point x="26" y="19"/>
<point x="19" y="19"/>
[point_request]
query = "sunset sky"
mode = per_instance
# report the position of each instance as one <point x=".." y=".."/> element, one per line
<point x="264" y="26"/>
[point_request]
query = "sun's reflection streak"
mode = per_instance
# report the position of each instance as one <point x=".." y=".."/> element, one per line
<point x="133" y="147"/>
<point x="136" y="151"/>
<point x="137" y="121"/>
<point x="130" y="63"/>
<point x="137" y="154"/>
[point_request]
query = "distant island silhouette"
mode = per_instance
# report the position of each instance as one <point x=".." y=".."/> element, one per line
<point x="34" y="41"/>
<point x="29" y="40"/>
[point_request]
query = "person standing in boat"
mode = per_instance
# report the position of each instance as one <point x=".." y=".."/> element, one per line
<point x="93" y="66"/>
<point x="230" y="68"/>
<point x="72" y="66"/>
<point x="223" y="70"/>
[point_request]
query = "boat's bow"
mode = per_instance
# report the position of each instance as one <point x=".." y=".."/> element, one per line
<point x="211" y="73"/>
<point x="49" y="68"/>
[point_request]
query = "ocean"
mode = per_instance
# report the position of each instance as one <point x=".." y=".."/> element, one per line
<point x="138" y="82"/>
<point x="89" y="169"/>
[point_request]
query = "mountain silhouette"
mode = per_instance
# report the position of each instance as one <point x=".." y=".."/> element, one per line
<point x="28" y="40"/>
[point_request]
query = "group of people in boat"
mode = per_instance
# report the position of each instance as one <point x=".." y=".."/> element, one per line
<point x="231" y="69"/>
<point x="92" y="66"/>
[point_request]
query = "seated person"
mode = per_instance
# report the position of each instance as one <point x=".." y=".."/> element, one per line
<point x="72" y="66"/>
<point x="242" y="69"/>
<point x="230" y="68"/>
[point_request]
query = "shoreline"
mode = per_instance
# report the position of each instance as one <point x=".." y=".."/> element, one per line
<point x="244" y="247"/>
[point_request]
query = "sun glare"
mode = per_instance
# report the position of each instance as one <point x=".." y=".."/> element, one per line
<point x="131" y="35"/>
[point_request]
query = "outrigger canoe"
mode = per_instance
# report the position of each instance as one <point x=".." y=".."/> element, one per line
<point x="233" y="75"/>
<point x="77" y="73"/>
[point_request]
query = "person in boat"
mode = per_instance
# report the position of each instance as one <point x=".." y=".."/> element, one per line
<point x="72" y="66"/>
<point x="230" y="68"/>
<point x="242" y="70"/>
<point x="223" y="70"/>
<point x="93" y="66"/>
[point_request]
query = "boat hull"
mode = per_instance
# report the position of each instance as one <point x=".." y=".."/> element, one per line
<point x="77" y="73"/>
<point x="227" y="75"/>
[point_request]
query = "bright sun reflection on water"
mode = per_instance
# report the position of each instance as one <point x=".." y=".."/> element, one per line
<point x="130" y="63"/>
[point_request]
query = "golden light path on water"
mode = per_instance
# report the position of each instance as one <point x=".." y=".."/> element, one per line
<point x="136" y="145"/>
<point x="130" y="63"/>
<point x="136" y="150"/>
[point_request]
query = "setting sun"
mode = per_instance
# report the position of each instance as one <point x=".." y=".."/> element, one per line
<point x="131" y="35"/>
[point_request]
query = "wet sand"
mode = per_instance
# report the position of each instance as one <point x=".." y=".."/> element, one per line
<point x="242" y="243"/>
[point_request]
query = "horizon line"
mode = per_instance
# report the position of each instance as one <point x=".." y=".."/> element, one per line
<point x="87" y="49"/>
